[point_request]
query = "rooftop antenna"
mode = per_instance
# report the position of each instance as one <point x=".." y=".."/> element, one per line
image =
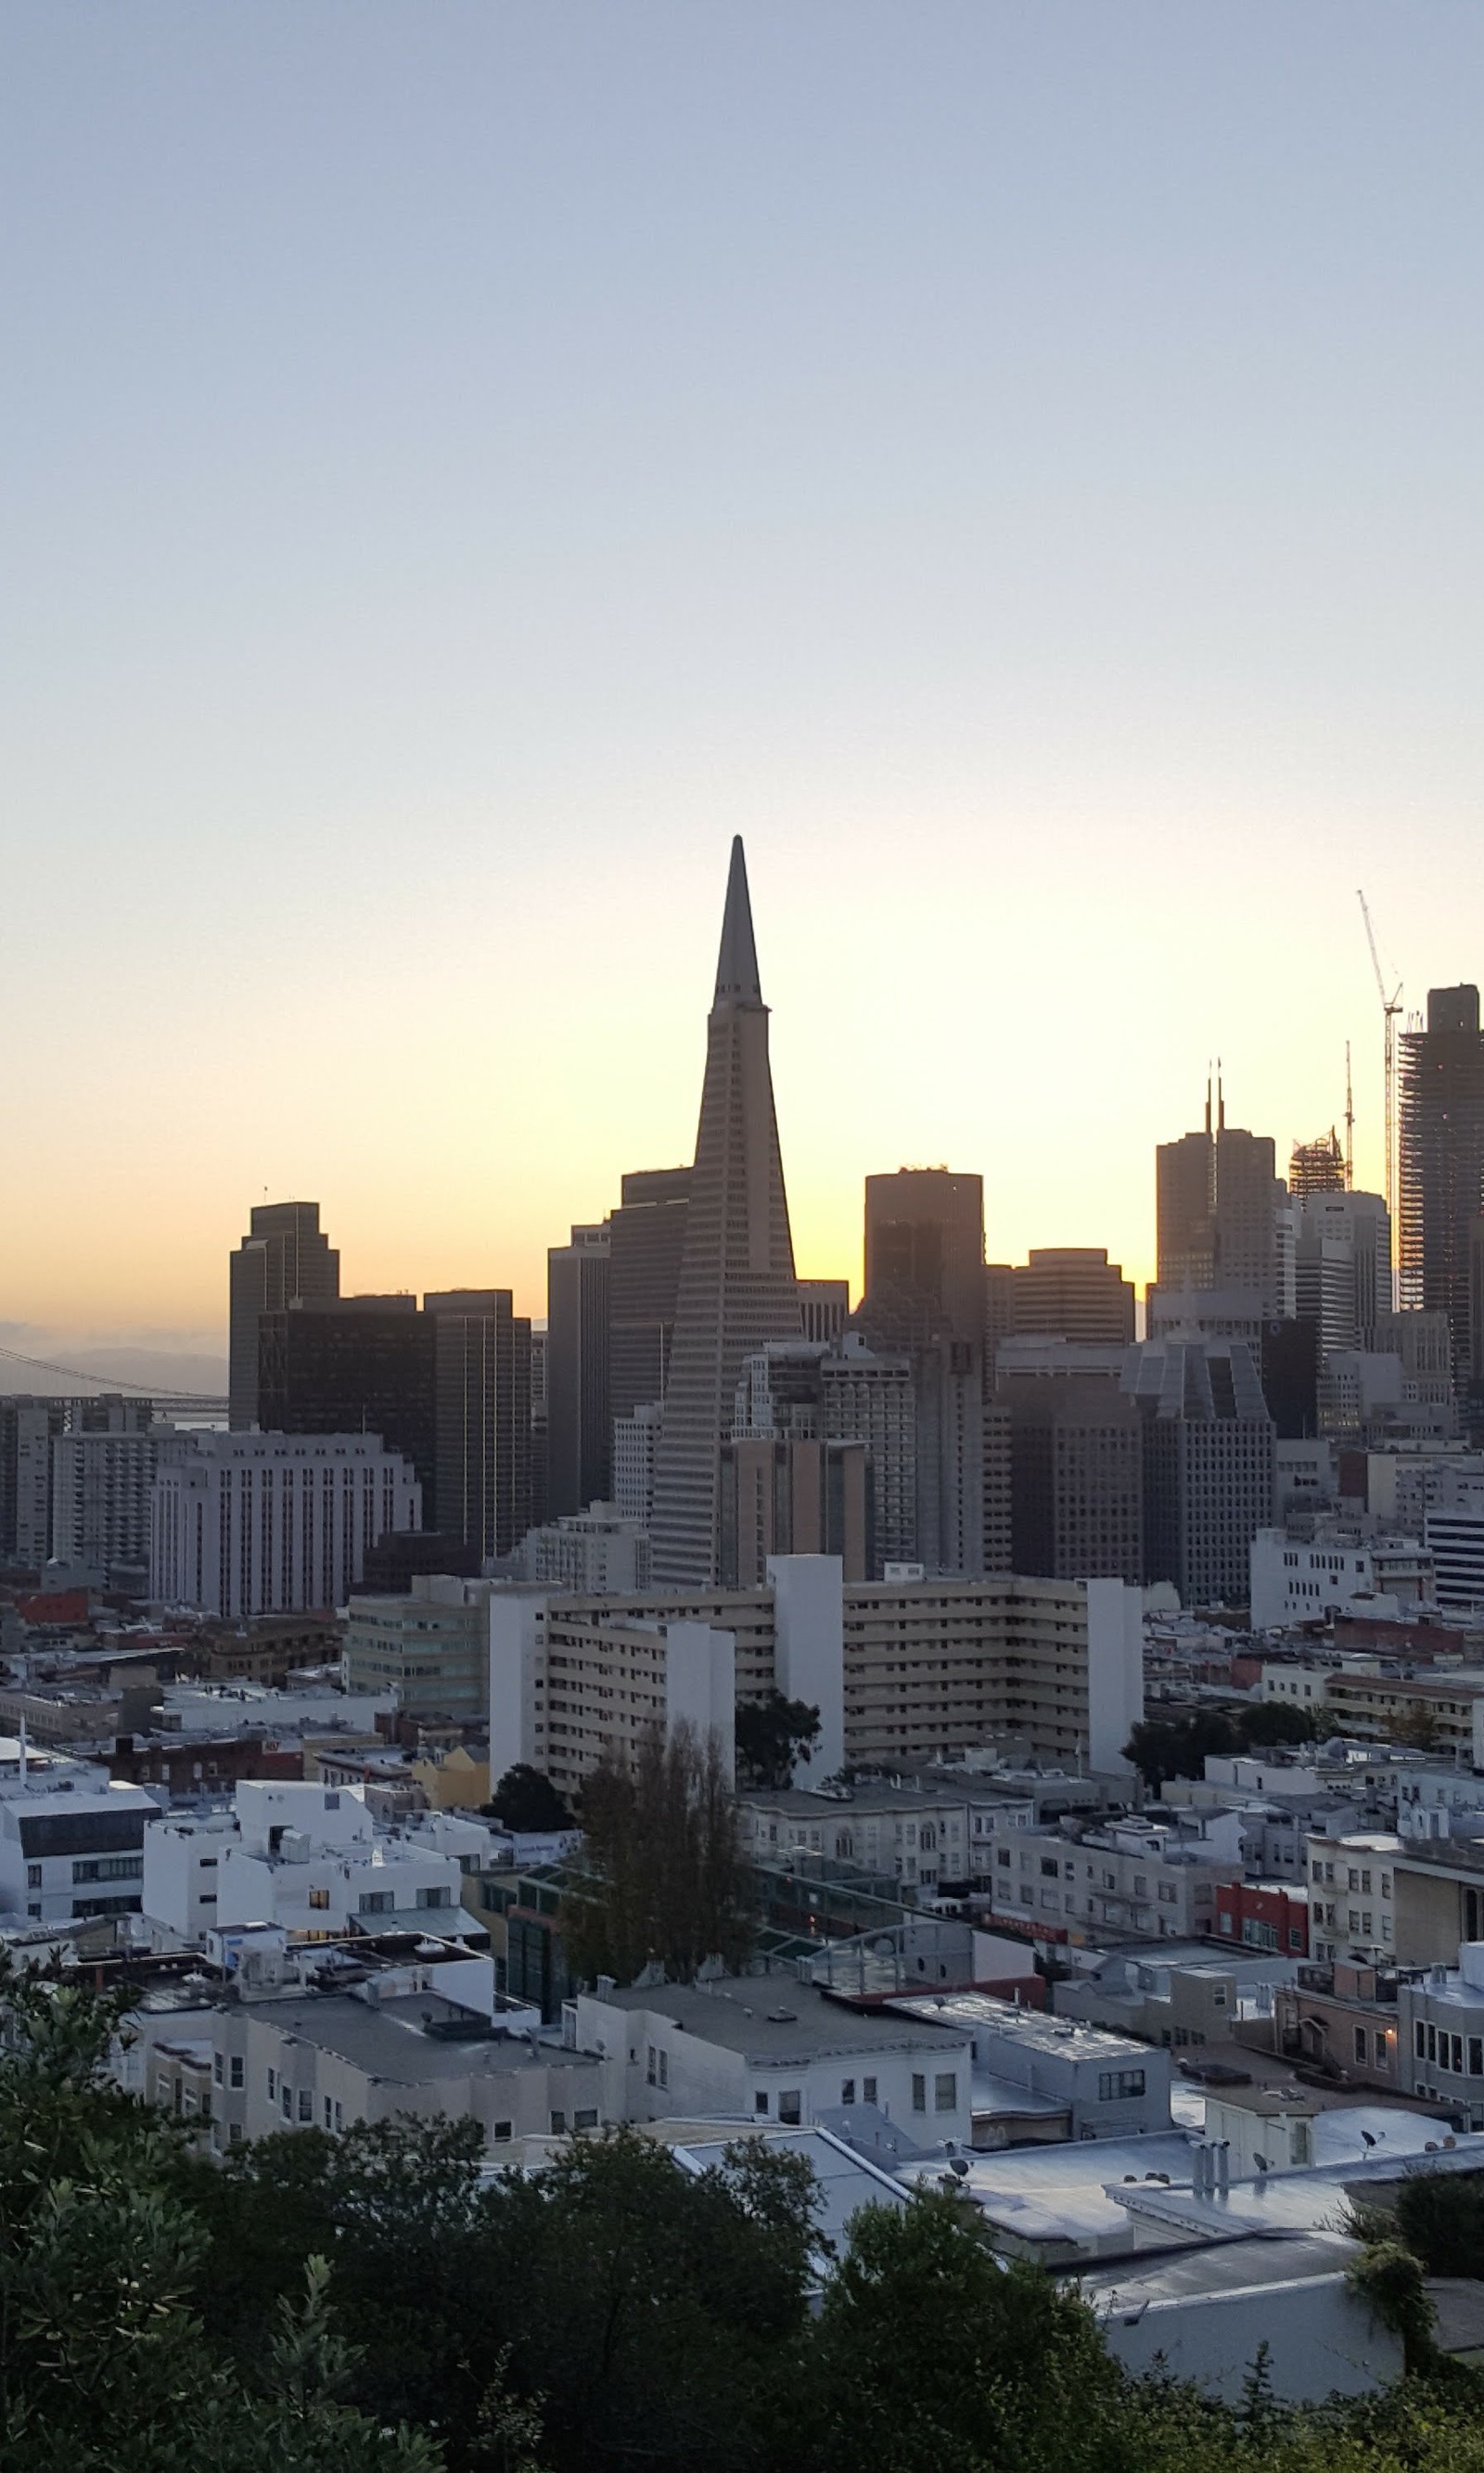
<point x="1350" y="1125"/>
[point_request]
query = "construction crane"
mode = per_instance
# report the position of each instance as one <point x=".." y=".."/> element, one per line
<point x="1390" y="1007"/>
<point x="1350" y="1125"/>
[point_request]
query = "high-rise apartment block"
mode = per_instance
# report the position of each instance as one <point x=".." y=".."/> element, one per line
<point x="924" y="1257"/>
<point x="737" y="1287"/>
<point x="1217" y="1199"/>
<point x="869" y="1398"/>
<point x="635" y="1446"/>
<point x="284" y="1260"/>
<point x="1442" y="1158"/>
<point x="251" y="1524"/>
<point x="102" y="1477"/>
<point x="794" y="1498"/>
<point x="646" y="1239"/>
<point x="28" y="1429"/>
<point x="1073" y="1292"/>
<point x="902" y="1670"/>
<point x="579" y="1423"/>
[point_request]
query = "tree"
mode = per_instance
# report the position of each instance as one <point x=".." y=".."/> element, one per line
<point x="1275" y="1721"/>
<point x="525" y="1799"/>
<point x="1180" y="1745"/>
<point x="772" y="1735"/>
<point x="104" y="2368"/>
<point x="664" y="1880"/>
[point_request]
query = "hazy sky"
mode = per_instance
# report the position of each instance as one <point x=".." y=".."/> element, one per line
<point x="1019" y="464"/>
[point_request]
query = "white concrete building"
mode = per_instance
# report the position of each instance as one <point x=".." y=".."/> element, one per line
<point x="247" y="1523"/>
<point x="597" y="1553"/>
<point x="304" y="1856"/>
<point x="1106" y="2085"/>
<point x="71" y="1844"/>
<point x="1454" y="1528"/>
<point x="1152" y="1879"/>
<point x="762" y="2049"/>
<point x="1297" y="1581"/>
<point x="635" y="1442"/>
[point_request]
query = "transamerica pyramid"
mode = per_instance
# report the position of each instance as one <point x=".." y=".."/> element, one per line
<point x="737" y="1287"/>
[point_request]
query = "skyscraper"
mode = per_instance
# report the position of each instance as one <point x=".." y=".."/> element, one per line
<point x="1217" y="1196"/>
<point x="1442" y="1158"/>
<point x="482" y="1417"/>
<point x="284" y="1260"/>
<point x="924" y="1257"/>
<point x="646" y="1237"/>
<point x="1073" y="1292"/>
<point x="579" y="1423"/>
<point x="738" y="1289"/>
<point x="354" y="1366"/>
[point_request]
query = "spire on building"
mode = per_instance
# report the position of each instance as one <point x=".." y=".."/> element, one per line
<point x="737" y="1290"/>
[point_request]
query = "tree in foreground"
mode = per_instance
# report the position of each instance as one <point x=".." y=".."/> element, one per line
<point x="664" y="1880"/>
<point x="526" y="1800"/>
<point x="773" y="1734"/>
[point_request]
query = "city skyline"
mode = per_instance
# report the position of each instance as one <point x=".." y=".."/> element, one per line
<point x="1054" y="545"/>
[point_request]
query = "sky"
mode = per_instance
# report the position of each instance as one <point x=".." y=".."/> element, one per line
<point x="459" y="464"/>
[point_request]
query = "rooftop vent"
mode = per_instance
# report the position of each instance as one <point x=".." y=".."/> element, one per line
<point x="782" y="2017"/>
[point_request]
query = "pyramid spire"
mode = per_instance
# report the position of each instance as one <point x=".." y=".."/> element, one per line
<point x="736" y="966"/>
<point x="737" y="1290"/>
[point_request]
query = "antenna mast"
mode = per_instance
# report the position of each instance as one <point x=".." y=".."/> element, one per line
<point x="1350" y="1125"/>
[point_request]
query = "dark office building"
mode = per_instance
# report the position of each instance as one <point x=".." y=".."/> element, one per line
<point x="1442" y="1159"/>
<point x="1216" y="1196"/>
<point x="284" y="1260"/>
<point x="646" y="1240"/>
<point x="1076" y="1479"/>
<point x="481" y="1397"/>
<point x="1208" y="1464"/>
<point x="579" y="1420"/>
<point x="924" y="1257"/>
<point x="362" y="1365"/>
<point x="1290" y="1377"/>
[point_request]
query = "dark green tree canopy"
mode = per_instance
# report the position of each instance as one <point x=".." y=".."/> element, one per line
<point x="773" y="1734"/>
<point x="525" y="1799"/>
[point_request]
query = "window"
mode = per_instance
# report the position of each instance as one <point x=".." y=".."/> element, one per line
<point x="558" y="2124"/>
<point x="376" y="1901"/>
<point x="848" y="2090"/>
<point x="273" y="2085"/>
<point x="1457" y="2061"/>
<point x="234" y="2133"/>
<point x="1360" y="2044"/>
<point x="433" y="1897"/>
<point x="759" y="2100"/>
<point x="867" y="2090"/>
<point x="305" y="2104"/>
<point x="1117" y="2086"/>
<point x="919" y="2093"/>
<point x="286" y="2102"/>
<point x="217" y="2069"/>
<point x="1432" y="2043"/>
<point x="502" y="2130"/>
<point x="32" y="1876"/>
<point x="235" y="2070"/>
<point x="1476" y="2057"/>
<point x="790" y="2106"/>
<point x="340" y="2117"/>
<point x="945" y="2092"/>
<point x="328" y="2113"/>
<point x="1420" y="2034"/>
<point x="321" y="1898"/>
<point x="1050" y="1869"/>
<point x="588" y="2119"/>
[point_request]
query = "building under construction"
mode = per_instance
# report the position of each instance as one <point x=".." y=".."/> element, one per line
<point x="1317" y="1168"/>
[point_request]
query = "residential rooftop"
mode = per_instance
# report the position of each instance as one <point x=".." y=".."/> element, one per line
<point x="772" y="2018"/>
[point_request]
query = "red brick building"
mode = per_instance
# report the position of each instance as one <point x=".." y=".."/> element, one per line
<point x="1264" y="1916"/>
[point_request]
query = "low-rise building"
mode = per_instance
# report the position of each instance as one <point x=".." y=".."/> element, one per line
<point x="307" y="1858"/>
<point x="1298" y="1579"/>
<point x="601" y="1551"/>
<point x="767" y="2049"/>
<point x="1102" y="2085"/>
<point x="1263" y="1914"/>
<point x="1353" y="1897"/>
<point x="1155" y="1880"/>
<point x="71" y="1843"/>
